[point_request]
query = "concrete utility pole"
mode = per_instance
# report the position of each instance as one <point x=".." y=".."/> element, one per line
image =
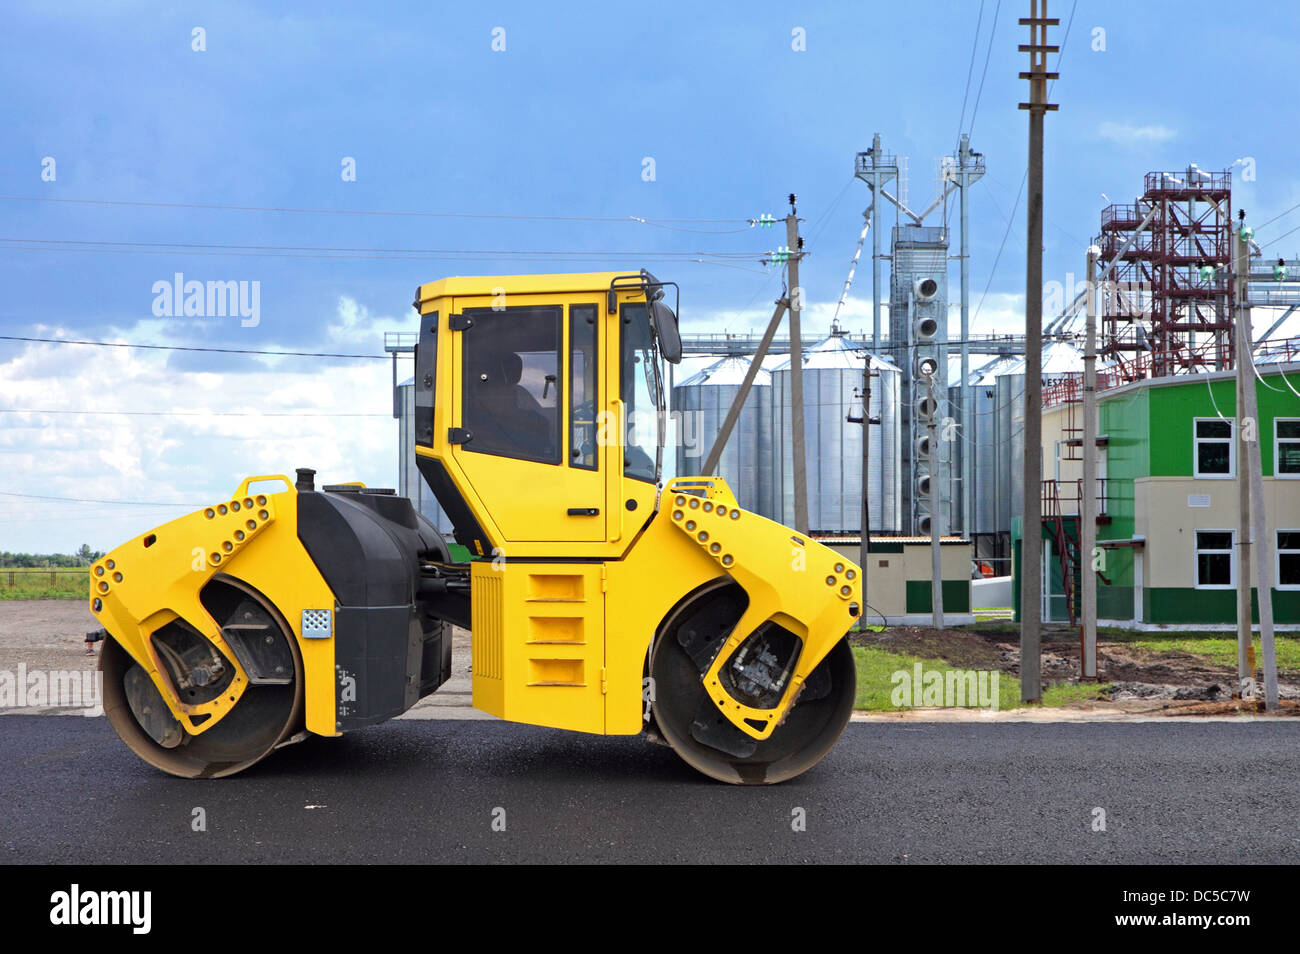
<point x="1245" y="642"/>
<point x="865" y="549"/>
<point x="1088" y="496"/>
<point x="968" y="170"/>
<point x="799" y="448"/>
<point x="1248" y="416"/>
<point x="936" y="559"/>
<point x="1031" y="546"/>
<point x="738" y="403"/>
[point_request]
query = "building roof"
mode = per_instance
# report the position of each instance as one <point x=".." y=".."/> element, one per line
<point x="836" y="352"/>
<point x="726" y="371"/>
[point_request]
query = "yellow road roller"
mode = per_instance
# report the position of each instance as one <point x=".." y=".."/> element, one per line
<point x="599" y="597"/>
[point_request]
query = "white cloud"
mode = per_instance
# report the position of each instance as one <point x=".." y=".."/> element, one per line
<point x="1130" y="133"/>
<point x="191" y="460"/>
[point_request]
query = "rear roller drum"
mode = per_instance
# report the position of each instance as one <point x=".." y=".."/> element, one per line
<point x="690" y="722"/>
<point x="267" y="714"/>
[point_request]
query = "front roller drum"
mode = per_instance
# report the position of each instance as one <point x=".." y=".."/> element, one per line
<point x="266" y="715"/>
<point x="690" y="722"/>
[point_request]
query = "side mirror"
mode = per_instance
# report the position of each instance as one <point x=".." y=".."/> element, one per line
<point x="666" y="331"/>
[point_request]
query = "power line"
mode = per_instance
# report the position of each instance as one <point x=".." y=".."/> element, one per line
<point x="402" y="213"/>
<point x="133" y="503"/>
<point x="975" y="42"/>
<point x="1278" y="216"/>
<point x="980" y="92"/>
<point x="1023" y="179"/>
<point x="155" y="347"/>
<point x="344" y="251"/>
<point x="295" y="414"/>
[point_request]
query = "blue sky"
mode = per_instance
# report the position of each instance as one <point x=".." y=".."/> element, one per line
<point x="557" y="124"/>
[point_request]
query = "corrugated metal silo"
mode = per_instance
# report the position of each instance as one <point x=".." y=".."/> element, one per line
<point x="701" y="403"/>
<point x="409" y="482"/>
<point x="832" y="376"/>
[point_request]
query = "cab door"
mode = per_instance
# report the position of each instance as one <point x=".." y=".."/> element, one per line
<point x="526" y="402"/>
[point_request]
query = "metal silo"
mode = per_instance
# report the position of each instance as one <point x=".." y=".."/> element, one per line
<point x="832" y="376"/>
<point x="1009" y="418"/>
<point x="409" y="482"/>
<point x="701" y="403"/>
<point x="1060" y="361"/>
<point x="984" y="493"/>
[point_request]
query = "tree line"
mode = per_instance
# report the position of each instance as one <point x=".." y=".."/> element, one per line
<point x="83" y="557"/>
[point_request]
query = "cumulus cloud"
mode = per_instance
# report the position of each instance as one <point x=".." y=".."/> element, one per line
<point x="291" y="414"/>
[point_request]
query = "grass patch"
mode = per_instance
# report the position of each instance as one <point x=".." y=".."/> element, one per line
<point x="1217" y="648"/>
<point x="876" y="668"/>
<point x="42" y="584"/>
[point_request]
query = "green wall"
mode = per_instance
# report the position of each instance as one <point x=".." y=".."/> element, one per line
<point x="956" y="596"/>
<point x="1174" y="408"/>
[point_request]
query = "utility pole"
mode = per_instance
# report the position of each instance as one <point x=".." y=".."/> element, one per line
<point x="1248" y="417"/>
<point x="1245" y="640"/>
<point x="1088" y="496"/>
<point x="738" y="403"/>
<point x="799" y="448"/>
<point x="936" y="515"/>
<point x="1031" y="546"/>
<point x="866" y="420"/>
<point x="968" y="170"/>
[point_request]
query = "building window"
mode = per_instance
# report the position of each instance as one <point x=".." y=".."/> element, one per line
<point x="1216" y="560"/>
<point x="1214" y="447"/>
<point x="1288" y="559"/>
<point x="1286" y="447"/>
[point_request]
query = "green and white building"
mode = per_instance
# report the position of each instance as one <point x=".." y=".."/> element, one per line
<point x="1168" y="500"/>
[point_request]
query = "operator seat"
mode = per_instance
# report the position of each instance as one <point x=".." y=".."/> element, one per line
<point x="507" y="418"/>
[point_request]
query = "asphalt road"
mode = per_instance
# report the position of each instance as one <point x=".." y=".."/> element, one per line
<point x="426" y="791"/>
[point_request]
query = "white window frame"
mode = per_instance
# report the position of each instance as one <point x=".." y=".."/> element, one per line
<point x="1232" y="449"/>
<point x="1196" y="559"/>
<point x="1277" y="559"/>
<point x="1277" y="441"/>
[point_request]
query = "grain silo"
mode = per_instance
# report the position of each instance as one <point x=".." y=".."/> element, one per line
<point x="701" y="403"/>
<point x="409" y="482"/>
<point x="832" y="379"/>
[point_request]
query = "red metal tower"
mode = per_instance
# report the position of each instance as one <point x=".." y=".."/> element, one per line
<point x="1166" y="305"/>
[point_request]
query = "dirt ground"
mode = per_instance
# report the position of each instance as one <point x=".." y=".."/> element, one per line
<point x="1141" y="680"/>
<point x="45" y="634"/>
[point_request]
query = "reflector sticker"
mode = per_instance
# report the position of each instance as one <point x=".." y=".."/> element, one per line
<point x="316" y="624"/>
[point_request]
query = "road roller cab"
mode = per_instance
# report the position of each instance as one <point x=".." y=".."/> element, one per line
<point x="599" y="598"/>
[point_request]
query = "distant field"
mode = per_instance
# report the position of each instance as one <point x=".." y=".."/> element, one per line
<point x="63" y="583"/>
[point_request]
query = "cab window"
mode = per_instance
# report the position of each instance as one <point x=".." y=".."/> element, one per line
<point x="582" y="386"/>
<point x="639" y="393"/>
<point x="511" y="382"/>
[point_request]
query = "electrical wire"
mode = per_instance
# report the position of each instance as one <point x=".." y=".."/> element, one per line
<point x="970" y="69"/>
<point x="157" y="347"/>
<point x="91" y="500"/>
<point x="345" y="251"/>
<point x="402" y="213"/>
<point x="980" y="92"/>
<point x="293" y="414"/>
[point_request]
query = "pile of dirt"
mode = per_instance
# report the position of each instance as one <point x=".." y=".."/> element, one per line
<point x="1140" y="679"/>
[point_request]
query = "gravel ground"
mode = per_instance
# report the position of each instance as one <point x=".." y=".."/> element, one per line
<point x="50" y="635"/>
<point x="45" y="634"/>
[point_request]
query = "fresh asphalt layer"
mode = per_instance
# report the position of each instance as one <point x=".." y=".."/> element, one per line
<point x="439" y="791"/>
